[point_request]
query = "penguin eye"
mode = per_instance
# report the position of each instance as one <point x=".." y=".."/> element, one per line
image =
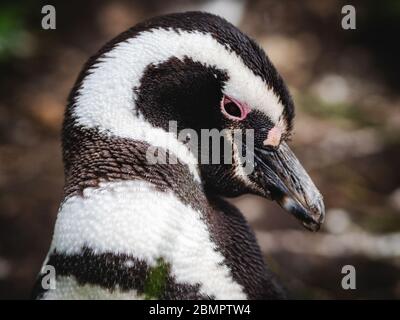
<point x="232" y="109"/>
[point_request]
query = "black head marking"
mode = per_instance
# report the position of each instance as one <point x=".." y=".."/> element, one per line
<point x="181" y="90"/>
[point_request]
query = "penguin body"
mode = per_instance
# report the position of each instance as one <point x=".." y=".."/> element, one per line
<point x="111" y="238"/>
<point x="130" y="229"/>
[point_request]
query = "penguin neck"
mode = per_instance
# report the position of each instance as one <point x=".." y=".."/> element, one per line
<point x="92" y="156"/>
<point x="116" y="203"/>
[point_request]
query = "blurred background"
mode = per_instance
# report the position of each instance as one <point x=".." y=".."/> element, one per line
<point x="347" y="132"/>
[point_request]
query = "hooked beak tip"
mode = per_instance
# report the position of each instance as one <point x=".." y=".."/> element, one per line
<point x="311" y="216"/>
<point x="290" y="185"/>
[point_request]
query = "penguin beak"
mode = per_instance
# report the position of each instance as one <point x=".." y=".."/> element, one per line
<point x="284" y="180"/>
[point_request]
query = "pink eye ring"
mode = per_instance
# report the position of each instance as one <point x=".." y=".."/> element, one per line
<point x="233" y="109"/>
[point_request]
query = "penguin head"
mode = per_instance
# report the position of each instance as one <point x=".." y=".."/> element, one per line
<point x="203" y="74"/>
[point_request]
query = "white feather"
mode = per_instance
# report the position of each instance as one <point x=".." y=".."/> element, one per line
<point x="133" y="218"/>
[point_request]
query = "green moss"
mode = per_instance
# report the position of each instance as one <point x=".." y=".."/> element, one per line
<point x="156" y="280"/>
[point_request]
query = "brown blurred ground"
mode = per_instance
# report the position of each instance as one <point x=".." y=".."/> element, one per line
<point x="346" y="134"/>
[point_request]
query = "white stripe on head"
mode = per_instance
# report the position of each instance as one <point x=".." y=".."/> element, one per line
<point x="106" y="99"/>
<point x="133" y="218"/>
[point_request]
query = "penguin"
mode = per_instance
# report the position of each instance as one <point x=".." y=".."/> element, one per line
<point x="130" y="228"/>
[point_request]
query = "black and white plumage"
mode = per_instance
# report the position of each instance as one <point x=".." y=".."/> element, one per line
<point x="130" y="229"/>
